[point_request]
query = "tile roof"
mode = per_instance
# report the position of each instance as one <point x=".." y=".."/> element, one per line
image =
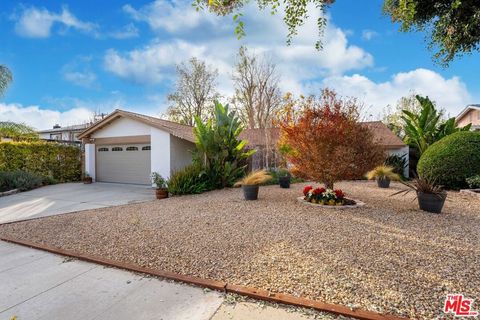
<point x="255" y="137"/>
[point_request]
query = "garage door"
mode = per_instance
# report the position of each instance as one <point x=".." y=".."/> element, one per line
<point x="123" y="163"/>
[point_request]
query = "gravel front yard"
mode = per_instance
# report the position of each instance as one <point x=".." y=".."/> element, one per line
<point x="386" y="256"/>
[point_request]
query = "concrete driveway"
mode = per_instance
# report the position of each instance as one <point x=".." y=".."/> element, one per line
<point x="70" y="197"/>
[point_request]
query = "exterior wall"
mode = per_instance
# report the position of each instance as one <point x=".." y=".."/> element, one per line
<point x="122" y="127"/>
<point x="180" y="154"/>
<point x="90" y="159"/>
<point x="401" y="152"/>
<point x="472" y="116"/>
<point x="160" y="152"/>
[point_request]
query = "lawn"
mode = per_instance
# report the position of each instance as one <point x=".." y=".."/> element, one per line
<point x="386" y="256"/>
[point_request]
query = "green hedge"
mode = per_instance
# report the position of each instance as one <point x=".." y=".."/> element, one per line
<point x="451" y="160"/>
<point x="48" y="160"/>
<point x="189" y="180"/>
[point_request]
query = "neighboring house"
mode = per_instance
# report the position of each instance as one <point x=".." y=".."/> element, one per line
<point x="63" y="134"/>
<point x="125" y="147"/>
<point x="471" y="114"/>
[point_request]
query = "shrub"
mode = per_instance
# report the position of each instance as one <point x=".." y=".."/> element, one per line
<point x="474" y="182"/>
<point x="189" y="180"/>
<point x="325" y="142"/>
<point x="276" y="174"/>
<point x="398" y="163"/>
<point x="18" y="179"/>
<point x="383" y="172"/>
<point x="254" y="178"/>
<point x="51" y="161"/>
<point x="452" y="160"/>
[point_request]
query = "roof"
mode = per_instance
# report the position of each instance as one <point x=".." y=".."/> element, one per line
<point x="256" y="137"/>
<point x="77" y="127"/>
<point x="467" y="109"/>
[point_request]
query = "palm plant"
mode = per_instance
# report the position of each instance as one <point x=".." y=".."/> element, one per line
<point x="427" y="127"/>
<point x="5" y="78"/>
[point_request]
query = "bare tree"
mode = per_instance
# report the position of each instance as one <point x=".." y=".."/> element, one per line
<point x="257" y="96"/>
<point x="194" y="93"/>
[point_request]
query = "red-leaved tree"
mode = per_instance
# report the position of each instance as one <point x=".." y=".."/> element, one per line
<point x="324" y="141"/>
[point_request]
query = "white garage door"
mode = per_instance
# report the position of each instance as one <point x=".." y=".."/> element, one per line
<point x="123" y="163"/>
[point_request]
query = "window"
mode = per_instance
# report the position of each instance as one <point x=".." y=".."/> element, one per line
<point x="102" y="149"/>
<point x="132" y="149"/>
<point x="117" y="149"/>
<point x="146" y="148"/>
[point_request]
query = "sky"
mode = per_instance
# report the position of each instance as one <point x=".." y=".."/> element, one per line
<point x="72" y="58"/>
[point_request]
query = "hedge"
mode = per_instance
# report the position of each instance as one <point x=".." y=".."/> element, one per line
<point x="48" y="160"/>
<point x="451" y="160"/>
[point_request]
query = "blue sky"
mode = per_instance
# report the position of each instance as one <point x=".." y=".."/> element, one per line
<point x="70" y="58"/>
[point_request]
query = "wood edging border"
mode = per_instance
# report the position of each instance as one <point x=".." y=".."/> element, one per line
<point x="215" y="285"/>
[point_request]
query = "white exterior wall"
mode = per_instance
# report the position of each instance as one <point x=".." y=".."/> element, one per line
<point x="160" y="152"/>
<point x="90" y="159"/>
<point x="401" y="152"/>
<point x="123" y="127"/>
<point x="180" y="154"/>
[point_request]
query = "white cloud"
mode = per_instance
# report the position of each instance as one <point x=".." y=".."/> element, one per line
<point x="172" y="16"/>
<point x="128" y="31"/>
<point x="43" y="118"/>
<point x="369" y="34"/>
<point x="451" y="94"/>
<point x="83" y="79"/>
<point x="38" y="22"/>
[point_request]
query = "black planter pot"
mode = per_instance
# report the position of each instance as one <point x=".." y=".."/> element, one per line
<point x="383" y="182"/>
<point x="284" y="182"/>
<point x="431" y="202"/>
<point x="250" y="192"/>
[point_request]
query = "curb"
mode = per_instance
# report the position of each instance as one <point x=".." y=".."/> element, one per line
<point x="216" y="285"/>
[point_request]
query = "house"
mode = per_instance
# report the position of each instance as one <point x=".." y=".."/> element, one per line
<point x="63" y="134"/>
<point x="125" y="147"/>
<point x="471" y="114"/>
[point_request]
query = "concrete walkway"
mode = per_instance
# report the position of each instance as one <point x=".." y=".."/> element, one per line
<point x="38" y="285"/>
<point x="70" y="197"/>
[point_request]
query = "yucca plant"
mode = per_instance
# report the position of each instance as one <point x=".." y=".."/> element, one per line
<point x="251" y="182"/>
<point x="383" y="174"/>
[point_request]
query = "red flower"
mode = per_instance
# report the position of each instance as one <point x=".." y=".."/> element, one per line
<point x="318" y="191"/>
<point x="339" y="194"/>
<point x="306" y="190"/>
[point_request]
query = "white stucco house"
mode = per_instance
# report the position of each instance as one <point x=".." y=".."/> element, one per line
<point x="126" y="147"/>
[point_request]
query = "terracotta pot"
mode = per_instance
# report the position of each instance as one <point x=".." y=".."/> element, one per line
<point x="87" y="180"/>
<point x="161" y="193"/>
<point x="250" y="192"/>
<point x="383" y="182"/>
<point x="431" y="202"/>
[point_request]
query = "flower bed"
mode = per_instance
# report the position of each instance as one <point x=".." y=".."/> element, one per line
<point x="326" y="197"/>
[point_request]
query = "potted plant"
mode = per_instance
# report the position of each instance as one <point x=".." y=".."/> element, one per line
<point x="250" y="184"/>
<point x="161" y="186"/>
<point x="284" y="178"/>
<point x="87" y="179"/>
<point x="383" y="174"/>
<point x="431" y="197"/>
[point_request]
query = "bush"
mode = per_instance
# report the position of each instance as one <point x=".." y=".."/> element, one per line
<point x="18" y="179"/>
<point x="452" y="160"/>
<point x="189" y="180"/>
<point x="398" y="163"/>
<point x="51" y="161"/>
<point x="474" y="182"/>
<point x="276" y="173"/>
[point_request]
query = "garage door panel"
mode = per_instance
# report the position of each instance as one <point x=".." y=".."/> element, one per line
<point x="123" y="166"/>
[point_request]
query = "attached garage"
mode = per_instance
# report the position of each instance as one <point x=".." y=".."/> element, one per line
<point x="123" y="163"/>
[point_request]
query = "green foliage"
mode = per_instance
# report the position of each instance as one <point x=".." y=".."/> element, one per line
<point x="474" y="182"/>
<point x="276" y="174"/>
<point x="398" y="163"/>
<point x="18" y="179"/>
<point x="452" y="160"/>
<point x="5" y="78"/>
<point x="51" y="161"/>
<point x="17" y="131"/>
<point x="453" y="24"/>
<point x="156" y="178"/>
<point x="424" y="128"/>
<point x="219" y="150"/>
<point x="189" y="180"/>
<point x="295" y="13"/>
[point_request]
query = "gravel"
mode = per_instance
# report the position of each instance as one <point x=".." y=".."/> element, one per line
<point x="386" y="256"/>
